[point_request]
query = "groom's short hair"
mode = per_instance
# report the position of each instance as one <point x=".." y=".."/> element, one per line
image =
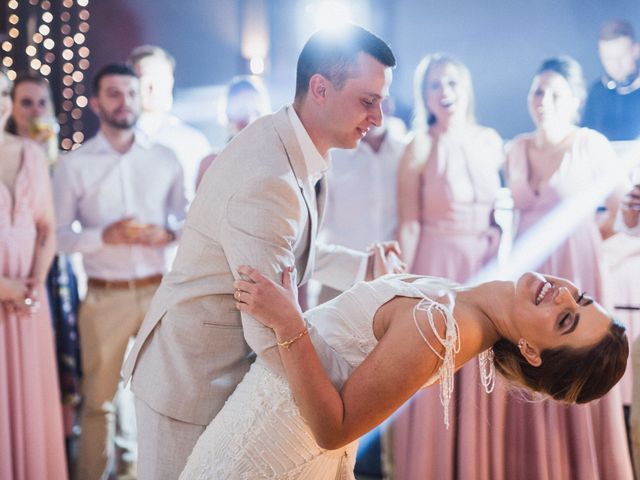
<point x="333" y="52"/>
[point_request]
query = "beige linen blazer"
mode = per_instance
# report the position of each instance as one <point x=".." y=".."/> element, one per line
<point x="255" y="206"/>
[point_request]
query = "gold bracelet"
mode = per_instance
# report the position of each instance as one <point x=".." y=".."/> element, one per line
<point x="287" y="343"/>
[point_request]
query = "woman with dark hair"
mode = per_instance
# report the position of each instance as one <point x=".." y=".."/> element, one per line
<point x="545" y="168"/>
<point x="31" y="434"/>
<point x="33" y="117"/>
<point x="394" y="336"/>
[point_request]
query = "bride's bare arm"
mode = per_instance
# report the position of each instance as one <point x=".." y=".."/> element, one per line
<point x="397" y="367"/>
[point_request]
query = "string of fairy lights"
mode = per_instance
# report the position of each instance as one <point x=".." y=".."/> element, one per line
<point x="48" y="37"/>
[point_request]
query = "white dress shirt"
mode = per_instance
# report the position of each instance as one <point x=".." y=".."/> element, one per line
<point x="361" y="206"/>
<point x="188" y="143"/>
<point x="95" y="186"/>
<point x="317" y="166"/>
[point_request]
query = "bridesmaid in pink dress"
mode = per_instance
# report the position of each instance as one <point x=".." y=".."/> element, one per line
<point x="31" y="434"/>
<point x="545" y="439"/>
<point x="448" y="179"/>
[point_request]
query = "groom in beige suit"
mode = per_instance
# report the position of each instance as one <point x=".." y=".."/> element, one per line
<point x="256" y="205"/>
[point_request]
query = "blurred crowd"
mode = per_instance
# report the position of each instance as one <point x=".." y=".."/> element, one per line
<point x="88" y="234"/>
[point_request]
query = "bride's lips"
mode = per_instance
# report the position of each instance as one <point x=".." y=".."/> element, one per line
<point x="542" y="291"/>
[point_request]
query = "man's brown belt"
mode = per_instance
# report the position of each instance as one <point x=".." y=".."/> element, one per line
<point x="124" y="284"/>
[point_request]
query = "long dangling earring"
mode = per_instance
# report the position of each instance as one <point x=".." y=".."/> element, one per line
<point x="487" y="370"/>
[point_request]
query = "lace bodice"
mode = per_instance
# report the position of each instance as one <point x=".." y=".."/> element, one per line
<point x="346" y="322"/>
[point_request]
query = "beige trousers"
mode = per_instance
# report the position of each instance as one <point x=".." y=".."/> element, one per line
<point x="108" y="318"/>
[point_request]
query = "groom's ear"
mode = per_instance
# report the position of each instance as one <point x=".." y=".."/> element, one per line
<point x="318" y="88"/>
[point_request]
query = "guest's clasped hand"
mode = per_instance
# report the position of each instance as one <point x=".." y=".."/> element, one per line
<point x="630" y="207"/>
<point x="19" y="293"/>
<point x="129" y="231"/>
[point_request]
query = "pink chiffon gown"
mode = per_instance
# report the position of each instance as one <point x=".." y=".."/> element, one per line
<point x="622" y="259"/>
<point x="31" y="434"/>
<point x="458" y="189"/>
<point x="547" y="439"/>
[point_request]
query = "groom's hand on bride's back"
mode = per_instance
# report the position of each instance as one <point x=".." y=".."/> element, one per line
<point x="271" y="304"/>
<point x="384" y="257"/>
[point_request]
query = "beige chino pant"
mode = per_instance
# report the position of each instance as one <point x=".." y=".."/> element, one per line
<point x="108" y="318"/>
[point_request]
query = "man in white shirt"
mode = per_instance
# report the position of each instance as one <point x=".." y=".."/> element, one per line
<point x="120" y="202"/>
<point x="155" y="68"/>
<point x="257" y="205"/>
<point x="361" y="201"/>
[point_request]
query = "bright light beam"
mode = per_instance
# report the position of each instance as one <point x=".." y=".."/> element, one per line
<point x="330" y="14"/>
<point x="535" y="246"/>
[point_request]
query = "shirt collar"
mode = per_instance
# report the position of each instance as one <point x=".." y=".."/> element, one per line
<point x="151" y="122"/>
<point x="140" y="140"/>
<point x="316" y="163"/>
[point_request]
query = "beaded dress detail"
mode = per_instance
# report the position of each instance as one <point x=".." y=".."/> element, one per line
<point x="450" y="342"/>
<point x="260" y="434"/>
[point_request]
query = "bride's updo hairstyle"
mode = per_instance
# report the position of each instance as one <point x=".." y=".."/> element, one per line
<point x="567" y="374"/>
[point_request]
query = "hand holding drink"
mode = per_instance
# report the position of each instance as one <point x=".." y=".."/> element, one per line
<point x="129" y="231"/>
<point x="43" y="129"/>
<point x="123" y="232"/>
<point x="135" y="230"/>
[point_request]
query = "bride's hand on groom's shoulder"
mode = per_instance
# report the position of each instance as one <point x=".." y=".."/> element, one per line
<point x="275" y="306"/>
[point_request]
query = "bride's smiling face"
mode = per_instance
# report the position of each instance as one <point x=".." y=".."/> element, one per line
<point x="551" y="312"/>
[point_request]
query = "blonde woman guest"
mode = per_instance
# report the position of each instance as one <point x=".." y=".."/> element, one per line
<point x="448" y="179"/>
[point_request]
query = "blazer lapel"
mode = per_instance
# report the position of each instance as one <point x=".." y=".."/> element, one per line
<point x="285" y="130"/>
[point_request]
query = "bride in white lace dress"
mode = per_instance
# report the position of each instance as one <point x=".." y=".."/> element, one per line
<point x="395" y="335"/>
